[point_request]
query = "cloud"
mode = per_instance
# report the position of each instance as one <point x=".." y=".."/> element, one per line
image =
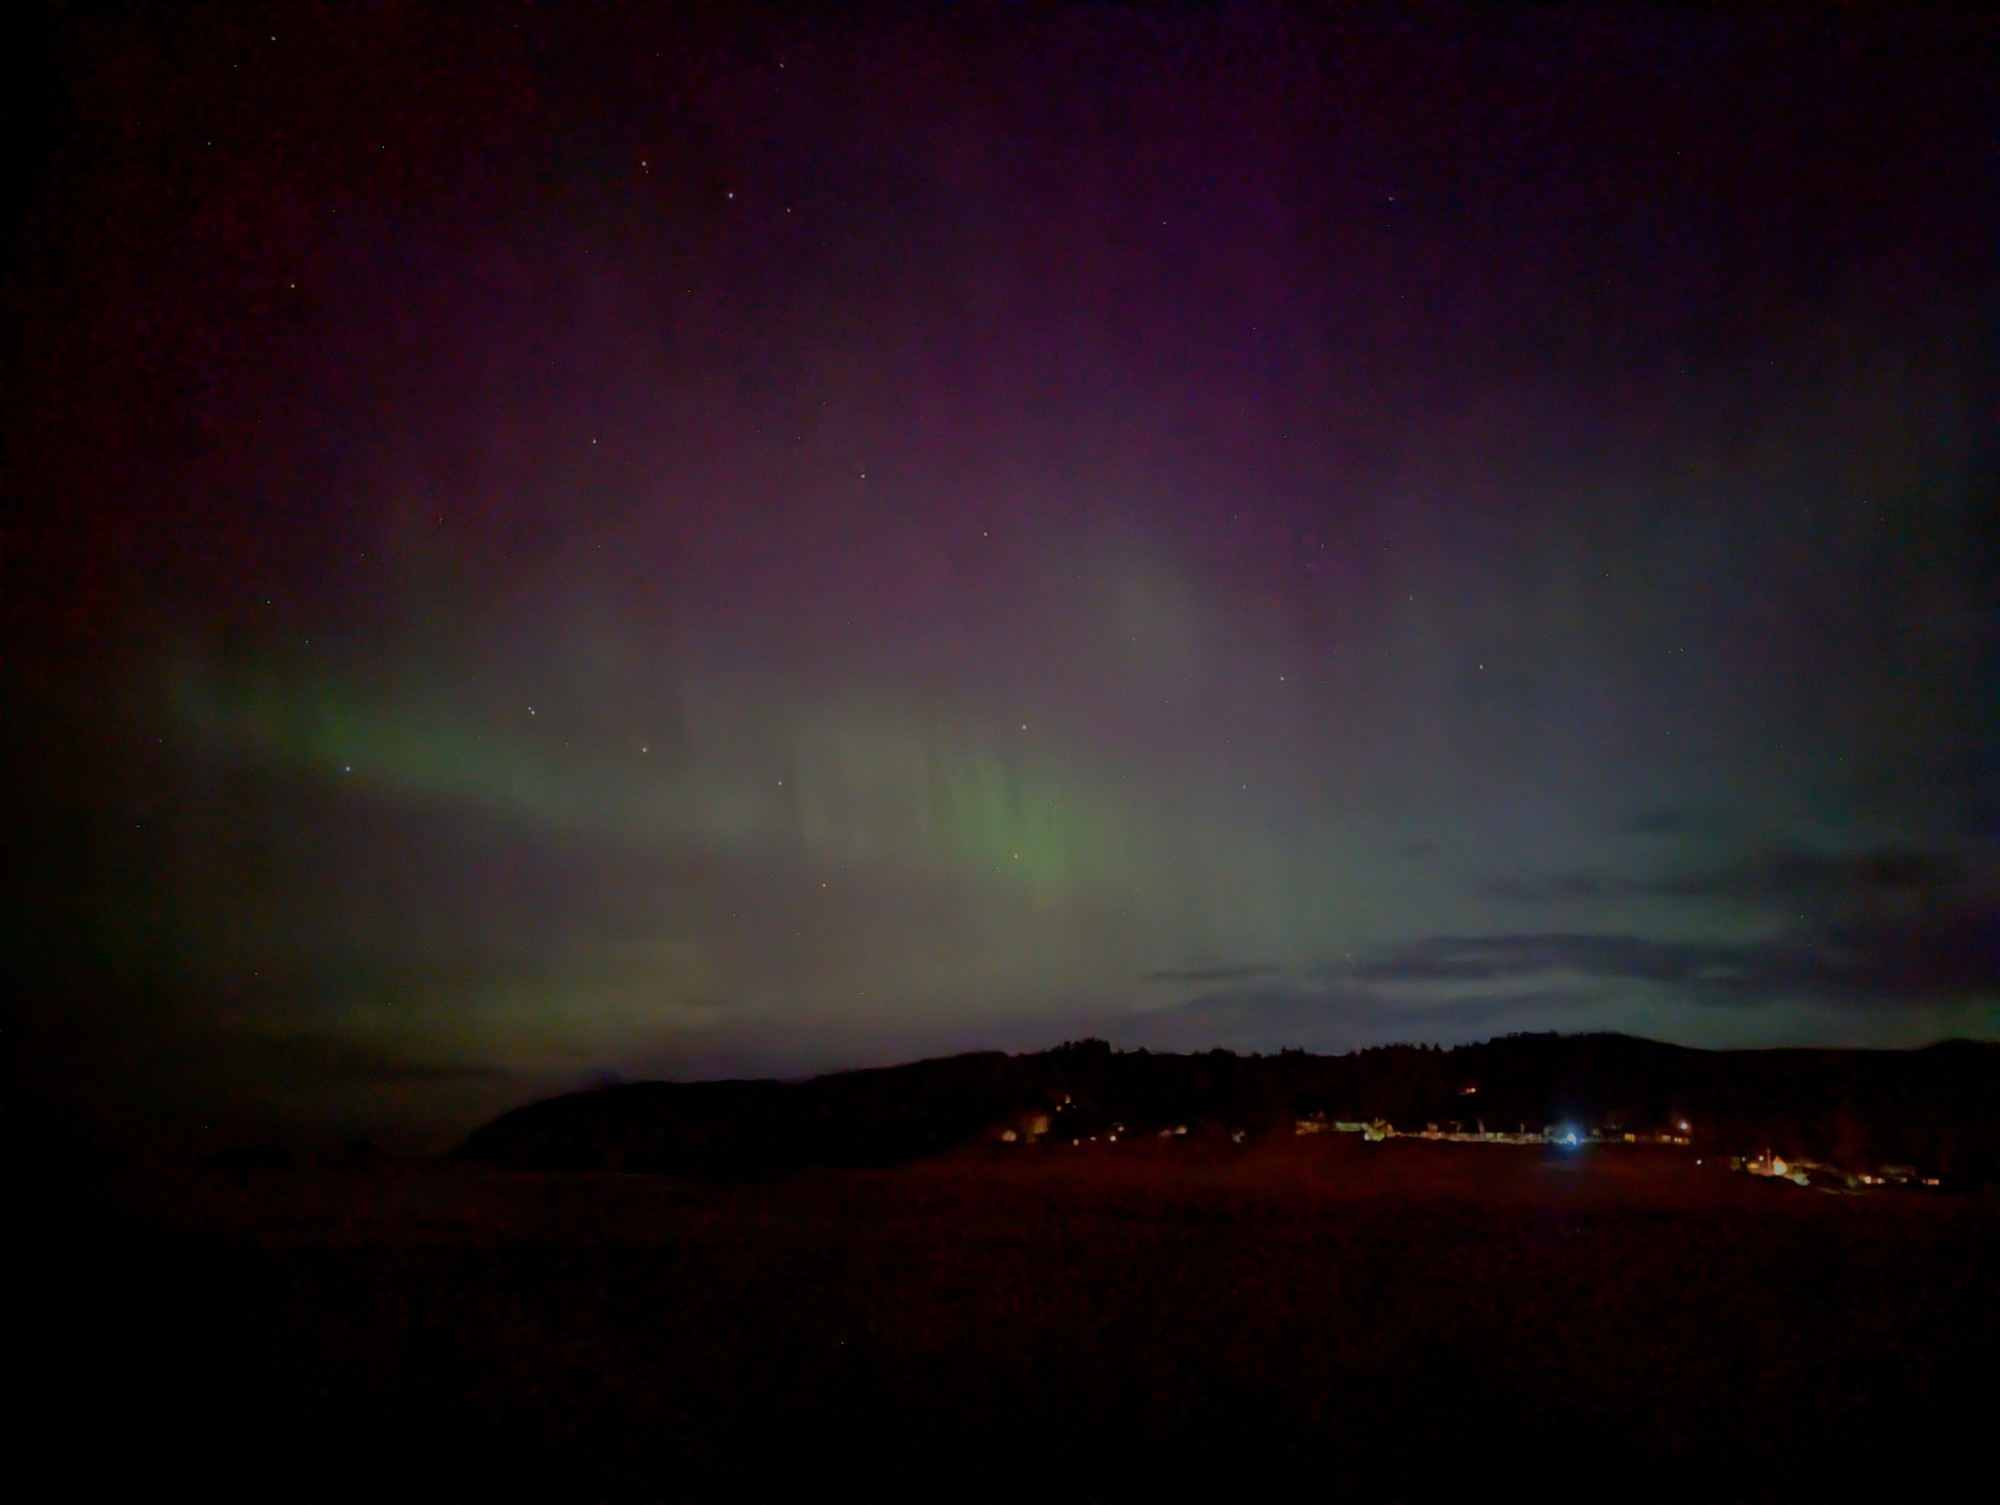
<point x="1932" y="954"/>
<point x="1888" y="938"/>
<point x="1344" y="1018"/>
<point x="1788" y="875"/>
<point x="1215" y="974"/>
<point x="1557" y="886"/>
<point x="1894" y="963"/>
<point x="1880" y="957"/>
<point x="1485" y="958"/>
<point x="1661" y="820"/>
<point x="1784" y="878"/>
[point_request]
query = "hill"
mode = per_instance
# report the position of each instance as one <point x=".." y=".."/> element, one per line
<point x="1938" y="1107"/>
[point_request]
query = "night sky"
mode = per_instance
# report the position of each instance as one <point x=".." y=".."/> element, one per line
<point x="554" y="543"/>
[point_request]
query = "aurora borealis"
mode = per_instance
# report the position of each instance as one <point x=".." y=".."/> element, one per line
<point x="552" y="542"/>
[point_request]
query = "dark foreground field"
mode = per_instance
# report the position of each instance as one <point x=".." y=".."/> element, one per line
<point x="1316" y="1316"/>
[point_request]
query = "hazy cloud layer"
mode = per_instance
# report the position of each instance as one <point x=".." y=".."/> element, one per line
<point x="1488" y="958"/>
<point x="1660" y="820"/>
<point x="1884" y="959"/>
<point x="1906" y="961"/>
<point x="1783" y="878"/>
<point x="1215" y="974"/>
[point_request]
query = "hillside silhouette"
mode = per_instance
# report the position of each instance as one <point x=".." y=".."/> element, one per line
<point x="1236" y="1310"/>
<point x="1937" y="1107"/>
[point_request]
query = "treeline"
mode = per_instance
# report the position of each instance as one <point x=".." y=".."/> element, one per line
<point x="1938" y="1107"/>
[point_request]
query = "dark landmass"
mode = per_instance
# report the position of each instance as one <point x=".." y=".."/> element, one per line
<point x="1303" y="1316"/>
<point x="1937" y="1108"/>
<point x="856" y="1283"/>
